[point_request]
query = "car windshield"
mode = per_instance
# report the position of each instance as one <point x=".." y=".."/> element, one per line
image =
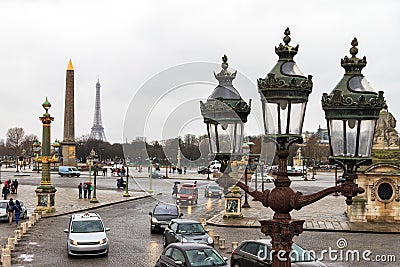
<point x="204" y="257"/>
<point x="191" y="228"/>
<point x="165" y="210"/>
<point x="87" y="226"/>
<point x="186" y="191"/>
<point x="298" y="254"/>
<point x="214" y="187"/>
<point x="3" y="205"/>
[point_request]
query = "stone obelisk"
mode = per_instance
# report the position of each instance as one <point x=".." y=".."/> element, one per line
<point x="68" y="144"/>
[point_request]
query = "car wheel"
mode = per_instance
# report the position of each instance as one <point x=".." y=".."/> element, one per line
<point x="152" y="230"/>
<point x="78" y="175"/>
<point x="164" y="241"/>
<point x="25" y="215"/>
<point x="62" y="175"/>
<point x="236" y="264"/>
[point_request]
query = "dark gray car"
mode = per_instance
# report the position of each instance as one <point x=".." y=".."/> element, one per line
<point x="184" y="231"/>
<point x="162" y="214"/>
<point x="190" y="255"/>
<point x="257" y="253"/>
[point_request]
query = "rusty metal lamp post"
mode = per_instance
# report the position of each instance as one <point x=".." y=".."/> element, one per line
<point x="225" y="113"/>
<point x="351" y="111"/>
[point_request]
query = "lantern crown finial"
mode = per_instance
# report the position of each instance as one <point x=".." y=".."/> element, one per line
<point x="225" y="77"/>
<point x="285" y="51"/>
<point x="353" y="65"/>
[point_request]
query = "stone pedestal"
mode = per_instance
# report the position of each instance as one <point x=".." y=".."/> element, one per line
<point x="233" y="203"/>
<point x="45" y="199"/>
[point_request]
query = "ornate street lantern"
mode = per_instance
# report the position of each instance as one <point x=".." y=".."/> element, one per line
<point x="284" y="95"/>
<point x="351" y="111"/>
<point x="225" y="113"/>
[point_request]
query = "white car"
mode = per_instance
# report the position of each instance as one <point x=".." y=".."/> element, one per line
<point x="267" y="178"/>
<point x="86" y="235"/>
<point x="215" y="164"/>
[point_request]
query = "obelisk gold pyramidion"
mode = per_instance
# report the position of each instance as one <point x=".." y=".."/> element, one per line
<point x="68" y="144"/>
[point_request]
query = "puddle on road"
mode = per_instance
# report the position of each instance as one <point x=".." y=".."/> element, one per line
<point x="26" y="257"/>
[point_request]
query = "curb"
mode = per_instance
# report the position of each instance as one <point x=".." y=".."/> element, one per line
<point x="211" y="222"/>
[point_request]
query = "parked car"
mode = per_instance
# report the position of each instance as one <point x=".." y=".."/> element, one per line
<point x="258" y="253"/>
<point x="185" y="230"/>
<point x="190" y="254"/>
<point x="203" y="170"/>
<point x="162" y="214"/>
<point x="4" y="213"/>
<point x="267" y="178"/>
<point x="187" y="194"/>
<point x="156" y="175"/>
<point x="215" y="164"/>
<point x="213" y="190"/>
<point x="87" y="235"/>
<point x="68" y="171"/>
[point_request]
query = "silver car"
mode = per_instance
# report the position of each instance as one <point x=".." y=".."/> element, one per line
<point x="87" y="235"/>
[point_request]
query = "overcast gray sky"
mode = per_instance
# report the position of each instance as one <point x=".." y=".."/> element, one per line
<point x="126" y="43"/>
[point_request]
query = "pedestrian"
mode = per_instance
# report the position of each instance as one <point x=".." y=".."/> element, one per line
<point x="80" y="187"/>
<point x="184" y="170"/>
<point x="90" y="188"/>
<point x="104" y="171"/>
<point x="6" y="183"/>
<point x="5" y="192"/>
<point x="17" y="211"/>
<point x="85" y="189"/>
<point x="175" y="189"/>
<point x="15" y="184"/>
<point x="10" y="210"/>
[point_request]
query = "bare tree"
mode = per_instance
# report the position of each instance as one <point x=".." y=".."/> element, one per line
<point x="15" y="137"/>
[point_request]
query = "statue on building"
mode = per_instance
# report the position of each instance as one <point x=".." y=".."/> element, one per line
<point x="386" y="135"/>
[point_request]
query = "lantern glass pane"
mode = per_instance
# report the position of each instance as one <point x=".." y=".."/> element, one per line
<point x="278" y="114"/>
<point x="351" y="137"/>
<point x="366" y="137"/>
<point x="213" y="137"/>
<point x="336" y="135"/>
<point x="360" y="84"/>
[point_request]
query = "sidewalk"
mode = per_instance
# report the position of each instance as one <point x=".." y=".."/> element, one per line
<point x="67" y="200"/>
<point x="325" y="215"/>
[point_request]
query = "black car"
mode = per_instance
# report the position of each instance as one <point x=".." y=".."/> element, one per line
<point x="203" y="170"/>
<point x="162" y="214"/>
<point x="257" y="253"/>
<point x="185" y="230"/>
<point x="190" y="254"/>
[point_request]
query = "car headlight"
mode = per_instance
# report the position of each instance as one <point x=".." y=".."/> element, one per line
<point x="220" y="192"/>
<point x="210" y="240"/>
<point x="178" y="196"/>
<point x="73" y="242"/>
<point x="103" y="241"/>
<point x="190" y="197"/>
<point x="154" y="220"/>
<point x="184" y="239"/>
<point x="210" y="192"/>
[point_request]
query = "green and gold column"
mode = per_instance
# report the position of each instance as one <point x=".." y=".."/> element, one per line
<point x="45" y="192"/>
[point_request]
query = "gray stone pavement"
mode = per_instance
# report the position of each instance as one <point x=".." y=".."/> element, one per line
<point x="328" y="214"/>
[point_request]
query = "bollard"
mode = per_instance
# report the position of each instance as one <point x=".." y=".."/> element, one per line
<point x="11" y="242"/>
<point x="29" y="223"/>
<point x="234" y="245"/>
<point x="6" y="260"/>
<point x="210" y="232"/>
<point x="5" y="251"/>
<point x="17" y="234"/>
<point x="23" y="227"/>
<point x="32" y="220"/>
<point x="216" y="240"/>
<point x="203" y="221"/>
<point x="38" y="215"/>
<point x="222" y="243"/>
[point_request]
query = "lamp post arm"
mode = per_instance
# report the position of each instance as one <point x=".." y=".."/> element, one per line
<point x="347" y="189"/>
<point x="257" y="195"/>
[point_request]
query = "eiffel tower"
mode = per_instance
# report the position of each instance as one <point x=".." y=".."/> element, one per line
<point x="97" y="128"/>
